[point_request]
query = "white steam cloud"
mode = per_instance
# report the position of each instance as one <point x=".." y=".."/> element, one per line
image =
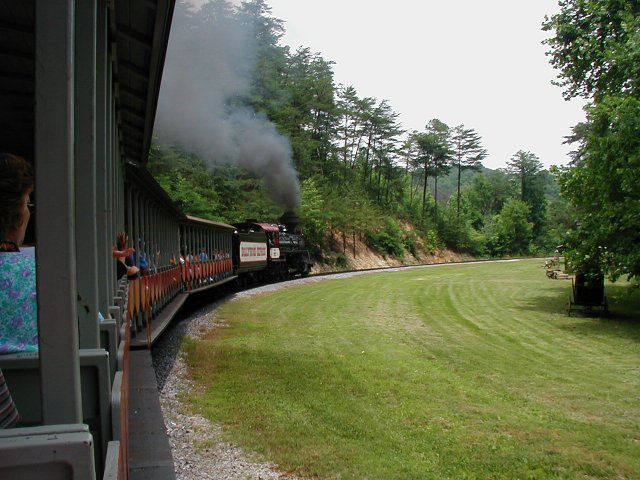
<point x="207" y="69"/>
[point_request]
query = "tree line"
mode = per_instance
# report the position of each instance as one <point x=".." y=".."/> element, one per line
<point x="596" y="48"/>
<point x="361" y="173"/>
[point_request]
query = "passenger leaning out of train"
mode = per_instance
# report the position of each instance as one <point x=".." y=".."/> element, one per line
<point x="125" y="262"/>
<point x="140" y="258"/>
<point x="18" y="307"/>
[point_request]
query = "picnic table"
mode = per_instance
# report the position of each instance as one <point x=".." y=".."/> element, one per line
<point x="552" y="266"/>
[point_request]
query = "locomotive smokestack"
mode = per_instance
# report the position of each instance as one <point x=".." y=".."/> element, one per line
<point x="290" y="220"/>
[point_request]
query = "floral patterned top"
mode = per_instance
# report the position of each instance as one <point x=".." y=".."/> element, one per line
<point x="18" y="307"/>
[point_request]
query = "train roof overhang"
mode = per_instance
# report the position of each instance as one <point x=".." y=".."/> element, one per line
<point x="141" y="176"/>
<point x="201" y="221"/>
<point x="267" y="227"/>
<point x="17" y="77"/>
<point x="141" y="30"/>
<point x="139" y="34"/>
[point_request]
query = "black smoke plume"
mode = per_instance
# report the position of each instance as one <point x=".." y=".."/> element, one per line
<point x="207" y="73"/>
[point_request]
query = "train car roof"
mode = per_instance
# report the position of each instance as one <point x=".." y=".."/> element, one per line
<point x="202" y="221"/>
<point x="267" y="227"/>
<point x="140" y="31"/>
<point x="140" y="175"/>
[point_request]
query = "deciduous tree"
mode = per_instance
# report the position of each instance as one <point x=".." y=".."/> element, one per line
<point x="596" y="47"/>
<point x="605" y="189"/>
<point x="511" y="230"/>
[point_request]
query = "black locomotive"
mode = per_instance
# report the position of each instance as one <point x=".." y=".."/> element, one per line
<point x="270" y="251"/>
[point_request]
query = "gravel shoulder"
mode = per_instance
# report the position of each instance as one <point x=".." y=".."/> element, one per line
<point x="199" y="451"/>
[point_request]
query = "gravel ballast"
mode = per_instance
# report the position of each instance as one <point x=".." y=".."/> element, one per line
<point x="199" y="452"/>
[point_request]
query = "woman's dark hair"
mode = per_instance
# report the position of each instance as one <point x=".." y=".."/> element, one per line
<point x="121" y="240"/>
<point x="16" y="178"/>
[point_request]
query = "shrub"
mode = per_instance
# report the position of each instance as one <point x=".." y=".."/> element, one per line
<point x="341" y="261"/>
<point x="390" y="240"/>
<point x="410" y="240"/>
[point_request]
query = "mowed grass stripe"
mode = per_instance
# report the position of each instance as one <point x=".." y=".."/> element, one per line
<point x="483" y="302"/>
<point x="470" y="371"/>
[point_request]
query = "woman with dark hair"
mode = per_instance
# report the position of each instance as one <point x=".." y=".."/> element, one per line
<point x="125" y="264"/>
<point x="16" y="184"/>
<point x="18" y="308"/>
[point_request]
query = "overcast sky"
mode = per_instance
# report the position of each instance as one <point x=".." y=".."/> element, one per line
<point x="471" y="62"/>
<point x="480" y="63"/>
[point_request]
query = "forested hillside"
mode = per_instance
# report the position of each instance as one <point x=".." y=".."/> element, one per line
<point x="360" y="173"/>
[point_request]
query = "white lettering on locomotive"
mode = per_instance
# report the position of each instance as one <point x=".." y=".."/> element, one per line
<point x="253" y="252"/>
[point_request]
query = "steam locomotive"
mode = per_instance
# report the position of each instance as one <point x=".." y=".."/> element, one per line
<point x="268" y="251"/>
<point x="215" y="255"/>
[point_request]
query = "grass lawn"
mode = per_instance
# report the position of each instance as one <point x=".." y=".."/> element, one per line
<point x="459" y="371"/>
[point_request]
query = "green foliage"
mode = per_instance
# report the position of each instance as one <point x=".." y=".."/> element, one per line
<point x="349" y="209"/>
<point x="596" y="46"/>
<point x="410" y="242"/>
<point x="336" y="261"/>
<point x="312" y="215"/>
<point x="510" y="232"/>
<point x="604" y="188"/>
<point x="389" y="240"/>
<point x="213" y="192"/>
<point x="488" y="193"/>
<point x="468" y="153"/>
<point x="307" y="112"/>
<point x="432" y="241"/>
<point x="185" y="178"/>
<point x="434" y="157"/>
<point x="341" y="262"/>
<point x="527" y="172"/>
<point x="457" y="227"/>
